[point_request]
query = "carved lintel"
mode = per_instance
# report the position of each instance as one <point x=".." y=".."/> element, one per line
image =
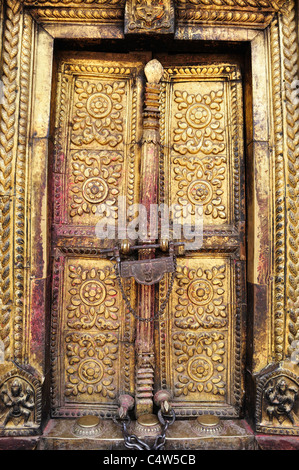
<point x="149" y="16"/>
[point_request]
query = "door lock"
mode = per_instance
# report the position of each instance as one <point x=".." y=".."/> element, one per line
<point x="147" y="271"/>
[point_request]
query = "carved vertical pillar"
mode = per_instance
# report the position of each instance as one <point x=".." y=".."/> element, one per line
<point x="148" y="196"/>
<point x="289" y="49"/>
<point x="8" y="141"/>
<point x="277" y="384"/>
<point x="20" y="386"/>
<point x="16" y="77"/>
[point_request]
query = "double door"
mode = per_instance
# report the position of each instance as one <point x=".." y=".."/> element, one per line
<point x="103" y="166"/>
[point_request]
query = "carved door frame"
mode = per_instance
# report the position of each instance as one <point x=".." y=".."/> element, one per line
<point x="29" y="30"/>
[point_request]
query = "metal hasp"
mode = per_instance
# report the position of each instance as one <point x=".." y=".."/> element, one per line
<point x="150" y="271"/>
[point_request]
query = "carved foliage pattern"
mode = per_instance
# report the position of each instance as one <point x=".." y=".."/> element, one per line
<point x="91" y="351"/>
<point x="200" y="302"/>
<point x="199" y="123"/>
<point x="200" y="183"/>
<point x="98" y="116"/>
<point x="198" y="142"/>
<point x="200" y="363"/>
<point x="91" y="368"/>
<point x="94" y="299"/>
<point x="200" y="298"/>
<point x="96" y="177"/>
<point x="199" y="136"/>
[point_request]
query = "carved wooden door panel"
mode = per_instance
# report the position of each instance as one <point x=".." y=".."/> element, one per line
<point x="199" y="340"/>
<point x="96" y="160"/>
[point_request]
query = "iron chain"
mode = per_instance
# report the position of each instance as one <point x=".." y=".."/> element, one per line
<point x="133" y="442"/>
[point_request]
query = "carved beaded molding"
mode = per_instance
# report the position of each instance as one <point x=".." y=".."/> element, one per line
<point x="18" y="40"/>
<point x="252" y="13"/>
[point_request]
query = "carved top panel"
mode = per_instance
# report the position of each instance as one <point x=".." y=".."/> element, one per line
<point x="253" y="4"/>
<point x="74" y="3"/>
<point x="153" y="16"/>
<point x="200" y="125"/>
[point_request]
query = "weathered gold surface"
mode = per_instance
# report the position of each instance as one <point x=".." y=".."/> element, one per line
<point x="203" y="165"/>
<point x="208" y="425"/>
<point x="96" y="161"/>
<point x="148" y="420"/>
<point x="208" y="420"/>
<point x="88" y="426"/>
<point x="88" y="421"/>
<point x="28" y="30"/>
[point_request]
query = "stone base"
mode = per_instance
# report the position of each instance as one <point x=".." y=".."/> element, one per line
<point x="234" y="435"/>
<point x="182" y="435"/>
<point x="266" y="442"/>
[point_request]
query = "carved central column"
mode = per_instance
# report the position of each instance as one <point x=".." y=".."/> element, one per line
<point x="148" y="196"/>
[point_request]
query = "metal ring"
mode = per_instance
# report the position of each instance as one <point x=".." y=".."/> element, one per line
<point x="121" y="421"/>
<point x="164" y="419"/>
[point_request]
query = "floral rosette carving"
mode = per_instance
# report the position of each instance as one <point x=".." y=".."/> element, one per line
<point x="96" y="176"/>
<point x="199" y="123"/>
<point x="90" y="367"/>
<point x="98" y="115"/>
<point x="200" y="363"/>
<point x="93" y="301"/>
<point x="200" y="298"/>
<point x="200" y="184"/>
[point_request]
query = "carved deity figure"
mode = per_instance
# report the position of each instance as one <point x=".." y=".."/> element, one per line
<point x="150" y="15"/>
<point x="281" y="398"/>
<point x="18" y="401"/>
<point x="149" y="11"/>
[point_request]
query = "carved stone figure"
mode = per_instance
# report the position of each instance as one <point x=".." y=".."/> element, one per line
<point x="281" y="398"/>
<point x="18" y="401"/>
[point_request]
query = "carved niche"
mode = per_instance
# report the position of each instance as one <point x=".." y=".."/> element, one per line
<point x="20" y="404"/>
<point x="278" y="403"/>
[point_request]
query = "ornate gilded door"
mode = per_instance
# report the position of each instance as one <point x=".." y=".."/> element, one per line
<point x="201" y="339"/>
<point x="198" y="348"/>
